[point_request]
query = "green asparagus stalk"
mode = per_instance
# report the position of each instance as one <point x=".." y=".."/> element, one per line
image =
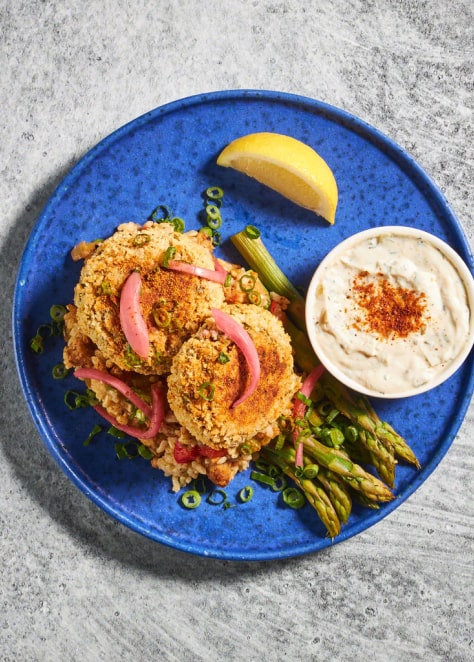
<point x="352" y="473"/>
<point x="315" y="495"/>
<point x="337" y="493"/>
<point x="385" y="432"/>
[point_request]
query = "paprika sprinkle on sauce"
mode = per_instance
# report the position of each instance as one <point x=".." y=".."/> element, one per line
<point x="389" y="311"/>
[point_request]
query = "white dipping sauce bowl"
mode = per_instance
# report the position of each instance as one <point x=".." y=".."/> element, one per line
<point x="366" y="384"/>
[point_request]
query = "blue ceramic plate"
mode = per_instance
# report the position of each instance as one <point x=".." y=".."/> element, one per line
<point x="168" y="156"/>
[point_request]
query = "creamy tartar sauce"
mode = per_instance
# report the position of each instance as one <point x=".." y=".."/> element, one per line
<point x="391" y="312"/>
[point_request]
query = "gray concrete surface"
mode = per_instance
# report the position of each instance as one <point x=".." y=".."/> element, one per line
<point x="76" y="585"/>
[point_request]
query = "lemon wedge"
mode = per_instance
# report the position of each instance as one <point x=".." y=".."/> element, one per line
<point x="287" y="166"/>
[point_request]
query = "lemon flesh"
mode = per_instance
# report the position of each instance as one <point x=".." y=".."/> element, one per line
<point x="287" y="166"/>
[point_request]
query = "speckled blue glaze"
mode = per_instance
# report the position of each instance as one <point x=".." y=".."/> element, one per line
<point x="168" y="157"/>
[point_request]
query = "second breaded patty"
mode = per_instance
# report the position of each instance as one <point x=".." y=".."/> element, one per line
<point x="209" y="373"/>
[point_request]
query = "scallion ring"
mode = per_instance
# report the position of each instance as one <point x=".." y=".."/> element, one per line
<point x="217" y="498"/>
<point x="57" y="312"/>
<point x="246" y="494"/>
<point x="59" y="371"/>
<point x="141" y="239"/>
<point x="293" y="498"/>
<point x="169" y="255"/>
<point x="161" y="214"/>
<point x="247" y="282"/>
<point x="191" y="499"/>
<point x="252" y="232"/>
<point x="255" y="298"/>
<point x="178" y="224"/>
<point x="214" y="192"/>
<point x="206" y="391"/>
<point x="310" y="471"/>
<point x="161" y="316"/>
<point x="279" y="483"/>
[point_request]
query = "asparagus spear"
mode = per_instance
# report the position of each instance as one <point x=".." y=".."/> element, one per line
<point x="315" y="495"/>
<point x="337" y="492"/>
<point x="385" y="431"/>
<point x="340" y="463"/>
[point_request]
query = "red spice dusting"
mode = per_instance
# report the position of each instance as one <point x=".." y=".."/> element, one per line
<point x="388" y="311"/>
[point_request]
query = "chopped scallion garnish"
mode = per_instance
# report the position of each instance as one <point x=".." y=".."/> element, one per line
<point x="191" y="499"/>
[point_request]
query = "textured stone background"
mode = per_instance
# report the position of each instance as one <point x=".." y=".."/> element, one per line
<point x="76" y="585"/>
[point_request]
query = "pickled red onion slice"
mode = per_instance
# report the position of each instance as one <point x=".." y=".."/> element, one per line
<point x="218" y="275"/>
<point x="156" y="417"/>
<point x="299" y="455"/>
<point x="244" y="342"/>
<point x="116" y="383"/>
<point x="131" y="319"/>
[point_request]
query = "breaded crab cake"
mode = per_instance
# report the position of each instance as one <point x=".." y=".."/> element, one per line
<point x="173" y="304"/>
<point x="209" y="373"/>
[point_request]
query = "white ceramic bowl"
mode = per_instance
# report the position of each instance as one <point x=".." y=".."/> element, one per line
<point x="390" y="366"/>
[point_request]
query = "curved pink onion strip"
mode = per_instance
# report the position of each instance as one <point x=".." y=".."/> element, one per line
<point x="131" y="319"/>
<point x="244" y="342"/>
<point x="156" y="418"/>
<point x="299" y="455"/>
<point x="299" y="407"/>
<point x="217" y="275"/>
<point x="116" y="383"/>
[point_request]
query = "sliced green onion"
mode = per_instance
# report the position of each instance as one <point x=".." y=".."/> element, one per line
<point x="95" y="430"/>
<point x="59" y="371"/>
<point x="161" y="316"/>
<point x="246" y="494"/>
<point x="279" y="483"/>
<point x="255" y="298"/>
<point x="141" y="239"/>
<point x="161" y="214"/>
<point x="199" y="484"/>
<point x="217" y="497"/>
<point x="262" y="478"/>
<point x="223" y="358"/>
<point x="206" y="391"/>
<point x="273" y="470"/>
<point x="130" y="357"/>
<point x="76" y="400"/>
<point x="178" y="224"/>
<point x="293" y="498"/>
<point x="332" y="415"/>
<point x="207" y="231"/>
<point x="115" y="432"/>
<point x="121" y="451"/>
<point x="311" y="471"/>
<point x="145" y="452"/>
<point x="280" y="441"/>
<point x="213" y="214"/>
<point x="169" y="255"/>
<point x="252" y="232"/>
<point x="247" y="282"/>
<point x="216" y="238"/>
<point x="214" y="192"/>
<point x="191" y="499"/>
<point x="57" y="313"/>
<point x="36" y="344"/>
<point x="228" y="280"/>
<point x="105" y="287"/>
<point x="351" y="433"/>
<point x="304" y="399"/>
<point x="245" y="449"/>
